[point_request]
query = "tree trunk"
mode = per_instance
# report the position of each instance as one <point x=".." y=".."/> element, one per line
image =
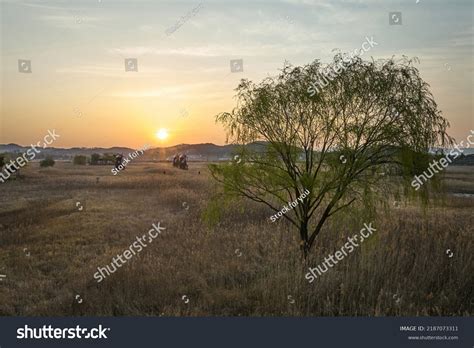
<point x="305" y="246"/>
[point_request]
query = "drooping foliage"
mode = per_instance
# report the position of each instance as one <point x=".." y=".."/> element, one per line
<point x="370" y="119"/>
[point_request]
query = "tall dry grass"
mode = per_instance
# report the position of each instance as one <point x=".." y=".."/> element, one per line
<point x="403" y="269"/>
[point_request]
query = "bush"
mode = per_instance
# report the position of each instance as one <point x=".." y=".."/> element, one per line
<point x="79" y="160"/>
<point x="11" y="171"/>
<point x="95" y="157"/>
<point x="47" y="162"/>
<point x="108" y="158"/>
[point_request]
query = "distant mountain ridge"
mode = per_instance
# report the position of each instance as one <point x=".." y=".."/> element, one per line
<point x="195" y="152"/>
<point x="204" y="151"/>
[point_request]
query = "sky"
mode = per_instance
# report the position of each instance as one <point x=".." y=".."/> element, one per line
<point x="76" y="80"/>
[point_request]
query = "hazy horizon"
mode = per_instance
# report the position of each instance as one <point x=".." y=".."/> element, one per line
<point x="465" y="150"/>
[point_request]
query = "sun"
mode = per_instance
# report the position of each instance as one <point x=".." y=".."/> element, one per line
<point x="162" y="134"/>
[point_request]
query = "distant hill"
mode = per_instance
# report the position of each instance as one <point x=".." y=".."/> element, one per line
<point x="195" y="152"/>
<point x="466" y="151"/>
<point x="199" y="152"/>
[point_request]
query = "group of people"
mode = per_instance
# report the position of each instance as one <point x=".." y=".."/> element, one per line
<point x="119" y="161"/>
<point x="180" y="161"/>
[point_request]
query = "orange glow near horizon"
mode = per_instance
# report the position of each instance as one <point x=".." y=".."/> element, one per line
<point x="79" y="85"/>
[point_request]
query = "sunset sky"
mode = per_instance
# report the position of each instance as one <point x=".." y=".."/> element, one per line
<point x="78" y="84"/>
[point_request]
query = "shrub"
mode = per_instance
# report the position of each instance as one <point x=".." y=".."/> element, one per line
<point x="79" y="160"/>
<point x="47" y="162"/>
<point x="95" y="157"/>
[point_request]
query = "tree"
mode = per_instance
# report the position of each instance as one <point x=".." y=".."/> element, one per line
<point x="47" y="162"/>
<point x="79" y="160"/>
<point x="108" y="158"/>
<point x="95" y="157"/>
<point x="369" y="117"/>
<point x="12" y="163"/>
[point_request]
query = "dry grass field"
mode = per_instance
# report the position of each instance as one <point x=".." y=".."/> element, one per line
<point x="243" y="266"/>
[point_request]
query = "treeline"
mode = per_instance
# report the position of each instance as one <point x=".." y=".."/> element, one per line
<point x="48" y="161"/>
<point x="8" y="160"/>
<point x="94" y="159"/>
